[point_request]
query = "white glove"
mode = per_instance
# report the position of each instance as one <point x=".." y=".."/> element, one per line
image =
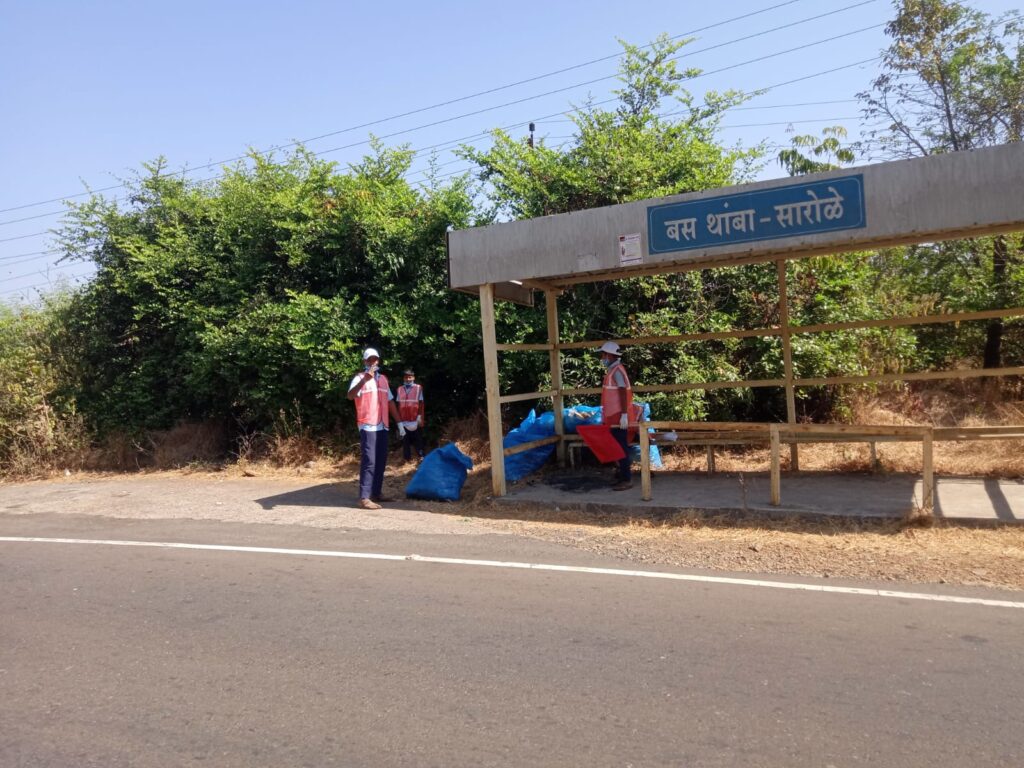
<point x="401" y="430"/>
<point x="623" y="421"/>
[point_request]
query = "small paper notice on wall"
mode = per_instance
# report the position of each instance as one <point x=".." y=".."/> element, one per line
<point x="629" y="250"/>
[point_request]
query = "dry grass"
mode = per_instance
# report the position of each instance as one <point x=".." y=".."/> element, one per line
<point x="885" y="550"/>
<point x="892" y="551"/>
<point x="912" y="550"/>
<point x="186" y="444"/>
<point x="932" y="407"/>
<point x="906" y="550"/>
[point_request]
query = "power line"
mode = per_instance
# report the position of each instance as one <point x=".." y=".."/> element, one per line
<point x="7" y="263"/>
<point x="787" y="122"/>
<point x="29" y="218"/>
<point x="764" y="89"/>
<point x="22" y="255"/>
<point x="764" y="106"/>
<point x="600" y="79"/>
<point x="22" y="237"/>
<point x="25" y="290"/>
<point x="484" y="134"/>
<point x="489" y="91"/>
<point x="49" y="268"/>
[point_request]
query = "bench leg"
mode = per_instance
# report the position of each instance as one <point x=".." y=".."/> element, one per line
<point x="776" y="469"/>
<point x="928" y="479"/>
<point x="645" y="463"/>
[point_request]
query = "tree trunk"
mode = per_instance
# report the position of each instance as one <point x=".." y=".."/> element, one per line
<point x="994" y="332"/>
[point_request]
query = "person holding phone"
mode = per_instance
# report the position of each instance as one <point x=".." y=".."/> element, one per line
<point x="374" y="402"/>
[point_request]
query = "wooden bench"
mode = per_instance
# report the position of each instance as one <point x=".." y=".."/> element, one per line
<point x="712" y="434"/>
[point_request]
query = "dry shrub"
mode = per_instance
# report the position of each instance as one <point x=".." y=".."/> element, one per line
<point x="288" y="443"/>
<point x="956" y="404"/>
<point x="471" y="436"/>
<point x="117" y="452"/>
<point x="185" y="444"/>
<point x="188" y="443"/>
<point x="292" y="450"/>
<point x="41" y="443"/>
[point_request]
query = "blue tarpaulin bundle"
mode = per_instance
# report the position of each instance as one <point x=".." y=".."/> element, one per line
<point x="441" y="475"/>
<point x="536" y="427"/>
<point x="519" y="465"/>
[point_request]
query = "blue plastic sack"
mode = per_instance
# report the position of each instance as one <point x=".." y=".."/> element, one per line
<point x="535" y="427"/>
<point x="441" y="475"/>
<point x="519" y="465"/>
<point x="634" y="450"/>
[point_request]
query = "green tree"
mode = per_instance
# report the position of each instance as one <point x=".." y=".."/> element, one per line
<point x="631" y="152"/>
<point x="657" y="140"/>
<point x="813" y="154"/>
<point x="236" y="300"/>
<point x="952" y="80"/>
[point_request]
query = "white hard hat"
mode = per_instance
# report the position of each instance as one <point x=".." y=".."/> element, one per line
<point x="611" y="348"/>
<point x="370" y="352"/>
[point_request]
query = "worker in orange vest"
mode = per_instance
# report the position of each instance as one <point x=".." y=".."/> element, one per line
<point x="411" y="413"/>
<point x="374" y="402"/>
<point x="616" y="405"/>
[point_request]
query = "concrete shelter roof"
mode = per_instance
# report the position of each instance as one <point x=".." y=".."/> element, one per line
<point x="960" y="194"/>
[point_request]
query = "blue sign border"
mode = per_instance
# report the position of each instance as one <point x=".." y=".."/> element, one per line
<point x="860" y="222"/>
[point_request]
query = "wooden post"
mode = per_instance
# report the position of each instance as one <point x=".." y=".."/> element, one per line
<point x="557" y="402"/>
<point x="645" y="462"/>
<point x="787" y="361"/>
<point x="776" y="469"/>
<point x="928" y="480"/>
<point x="711" y="459"/>
<point x="491" y="377"/>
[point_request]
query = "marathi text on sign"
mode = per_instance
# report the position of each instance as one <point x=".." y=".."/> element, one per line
<point x="767" y="214"/>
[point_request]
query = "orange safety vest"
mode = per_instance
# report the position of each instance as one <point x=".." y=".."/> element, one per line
<point x="372" y="402"/>
<point x="611" y="409"/>
<point x="409" y="402"/>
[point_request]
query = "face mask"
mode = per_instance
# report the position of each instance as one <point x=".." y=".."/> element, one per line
<point x="606" y="363"/>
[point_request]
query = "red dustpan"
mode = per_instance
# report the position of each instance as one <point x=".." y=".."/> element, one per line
<point x="599" y="439"/>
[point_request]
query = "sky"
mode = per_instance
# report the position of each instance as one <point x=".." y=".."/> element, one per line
<point x="91" y="90"/>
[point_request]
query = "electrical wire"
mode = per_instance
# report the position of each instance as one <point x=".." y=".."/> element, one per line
<point x="487" y="92"/>
<point x="522" y="123"/>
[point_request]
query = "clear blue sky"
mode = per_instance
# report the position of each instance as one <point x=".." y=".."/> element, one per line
<point x="88" y="91"/>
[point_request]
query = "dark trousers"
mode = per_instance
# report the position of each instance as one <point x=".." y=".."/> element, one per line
<point x="413" y="439"/>
<point x="625" y="465"/>
<point x="373" y="449"/>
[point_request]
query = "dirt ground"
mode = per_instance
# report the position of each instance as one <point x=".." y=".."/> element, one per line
<point x="898" y="551"/>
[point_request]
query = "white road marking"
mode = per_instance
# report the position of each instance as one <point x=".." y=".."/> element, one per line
<point x="535" y="567"/>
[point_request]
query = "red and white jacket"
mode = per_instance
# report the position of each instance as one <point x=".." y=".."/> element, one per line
<point x="409" y="402"/>
<point x="372" y="401"/>
<point x="611" y="403"/>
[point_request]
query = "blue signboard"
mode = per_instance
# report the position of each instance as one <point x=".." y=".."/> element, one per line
<point x="768" y="214"/>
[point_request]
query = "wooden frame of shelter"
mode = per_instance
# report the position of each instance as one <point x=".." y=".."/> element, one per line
<point x="903" y="202"/>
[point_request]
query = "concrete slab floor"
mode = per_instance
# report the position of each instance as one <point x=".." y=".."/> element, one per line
<point x="964" y="499"/>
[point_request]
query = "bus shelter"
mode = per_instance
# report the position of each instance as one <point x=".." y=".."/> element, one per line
<point x="941" y="197"/>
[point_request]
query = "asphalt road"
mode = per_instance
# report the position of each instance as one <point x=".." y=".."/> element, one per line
<point x="121" y="656"/>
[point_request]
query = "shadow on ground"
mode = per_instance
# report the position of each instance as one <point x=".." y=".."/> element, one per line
<point x="813" y="502"/>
